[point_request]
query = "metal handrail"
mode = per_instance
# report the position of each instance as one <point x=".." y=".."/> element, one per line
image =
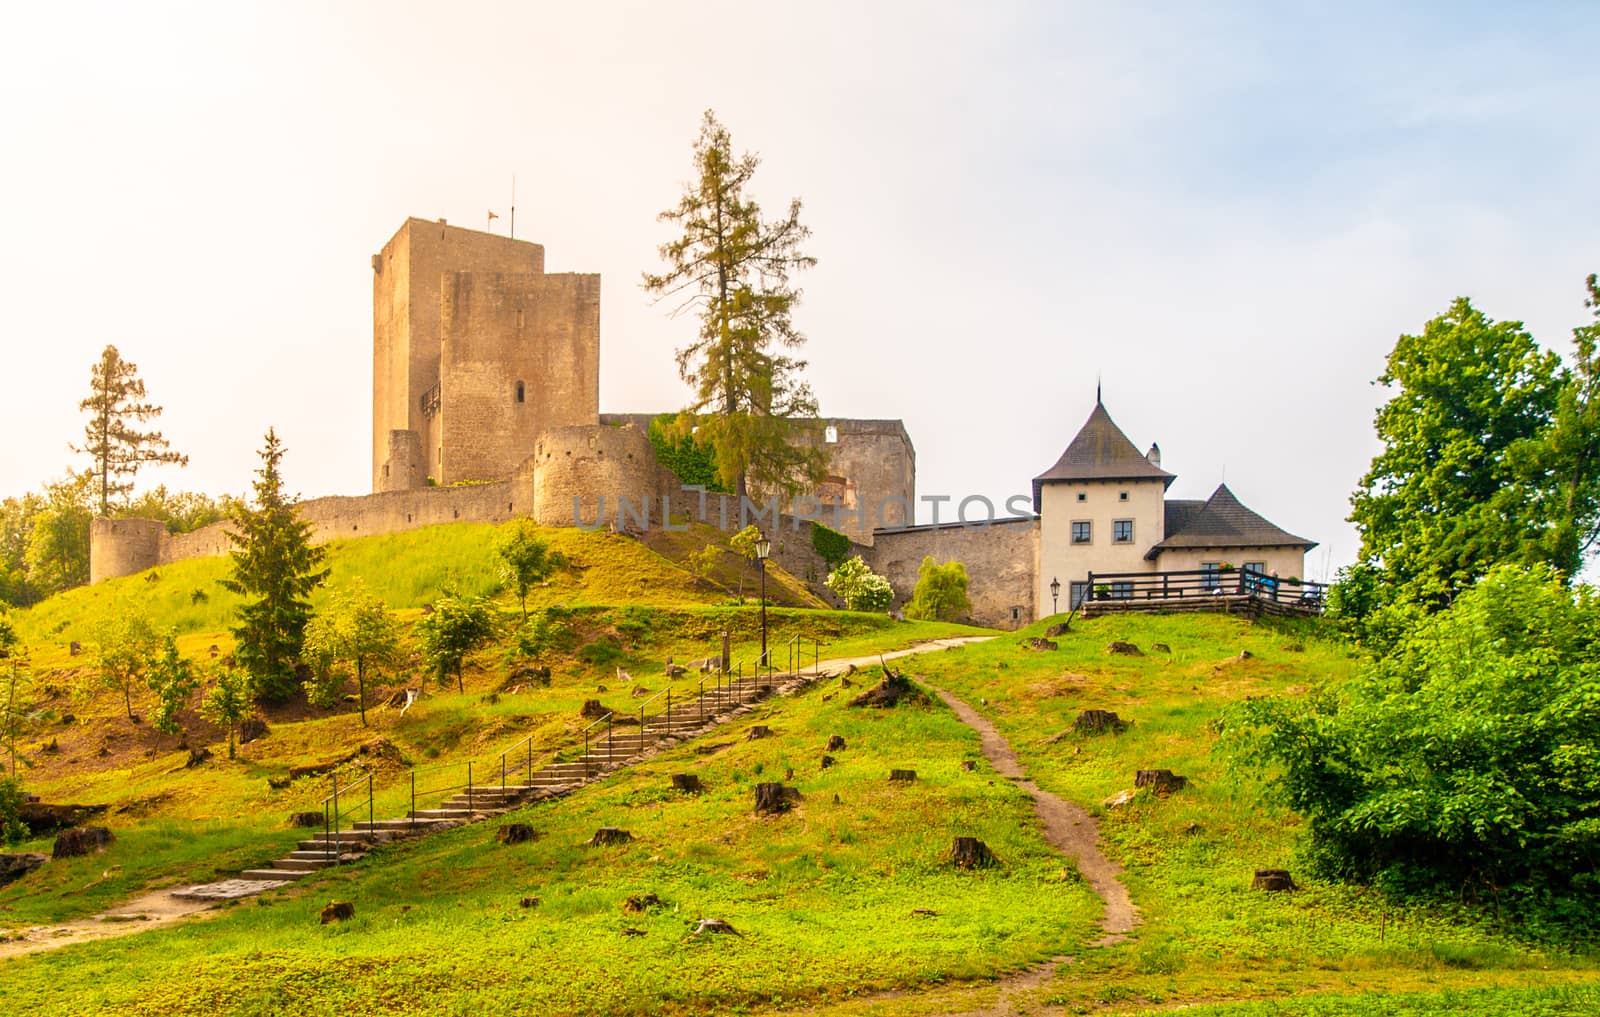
<point x="608" y="721"/>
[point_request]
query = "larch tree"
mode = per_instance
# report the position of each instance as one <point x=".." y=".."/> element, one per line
<point x="275" y="567"/>
<point x="733" y="266"/>
<point x="356" y="629"/>
<point x="117" y="448"/>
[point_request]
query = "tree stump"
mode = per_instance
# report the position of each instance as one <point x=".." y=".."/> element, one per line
<point x="827" y="761"/>
<point x="592" y="710"/>
<point x="888" y="693"/>
<point x="676" y="670"/>
<point x="1098" y="722"/>
<point x="758" y="732"/>
<point x="903" y="776"/>
<point x="774" y="798"/>
<point x="687" y="782"/>
<point x="835" y="743"/>
<point x="971" y="853"/>
<point x="1244" y="655"/>
<point x="305" y="819"/>
<point x="641" y="902"/>
<point x="1058" y="629"/>
<point x="715" y="926"/>
<point x="1125" y="649"/>
<point x="609" y="835"/>
<point x="514" y="833"/>
<point x="196" y="758"/>
<point x="530" y="902"/>
<point x="1160" y="648"/>
<point x="1160" y="781"/>
<point x="14" y="867"/>
<point x="969" y="765"/>
<point x="1038" y="643"/>
<point x="80" y="840"/>
<point x="338" y="911"/>
<point x="252" y="728"/>
<point x="1272" y="880"/>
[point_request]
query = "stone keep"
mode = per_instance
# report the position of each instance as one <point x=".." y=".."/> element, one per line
<point x="477" y="350"/>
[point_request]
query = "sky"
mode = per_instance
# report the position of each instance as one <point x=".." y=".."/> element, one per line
<point x="1223" y="213"/>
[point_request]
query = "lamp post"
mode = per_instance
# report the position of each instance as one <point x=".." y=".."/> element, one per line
<point x="763" y="552"/>
<point x="1055" y="596"/>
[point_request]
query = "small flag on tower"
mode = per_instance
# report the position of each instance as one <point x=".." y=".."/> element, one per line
<point x="492" y="218"/>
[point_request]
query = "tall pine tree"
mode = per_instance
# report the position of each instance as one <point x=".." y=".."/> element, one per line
<point x="116" y="403"/>
<point x="734" y="267"/>
<point x="275" y="566"/>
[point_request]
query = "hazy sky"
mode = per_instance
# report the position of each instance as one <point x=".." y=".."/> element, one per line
<point x="1228" y="212"/>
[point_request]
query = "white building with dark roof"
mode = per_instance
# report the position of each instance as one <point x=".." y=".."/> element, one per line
<point x="1105" y="536"/>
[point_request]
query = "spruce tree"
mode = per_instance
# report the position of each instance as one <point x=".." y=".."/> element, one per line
<point x="734" y="266"/>
<point x="275" y="567"/>
<point x="116" y="403"/>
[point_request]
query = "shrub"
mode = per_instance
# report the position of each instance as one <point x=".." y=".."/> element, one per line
<point x="941" y="593"/>
<point x="859" y="587"/>
<point x="12" y="829"/>
<point x="831" y="545"/>
<point x="1465" y="761"/>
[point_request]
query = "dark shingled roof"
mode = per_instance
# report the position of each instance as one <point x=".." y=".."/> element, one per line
<point x="1100" y="452"/>
<point x="1221" y="521"/>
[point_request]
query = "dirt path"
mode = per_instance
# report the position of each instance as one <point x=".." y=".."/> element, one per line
<point x="1067" y="827"/>
<point x="150" y="911"/>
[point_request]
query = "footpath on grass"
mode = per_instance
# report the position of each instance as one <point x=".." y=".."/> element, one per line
<point x="167" y="907"/>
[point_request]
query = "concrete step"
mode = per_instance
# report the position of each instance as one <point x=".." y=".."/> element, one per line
<point x="279" y="874"/>
<point x="302" y="864"/>
<point x="317" y="854"/>
<point x="398" y="825"/>
<point x="346" y="836"/>
<point x="442" y="814"/>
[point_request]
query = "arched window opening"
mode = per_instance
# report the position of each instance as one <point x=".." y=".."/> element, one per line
<point x="522" y="395"/>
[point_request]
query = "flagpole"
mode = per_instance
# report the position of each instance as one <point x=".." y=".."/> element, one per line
<point x="513" y="206"/>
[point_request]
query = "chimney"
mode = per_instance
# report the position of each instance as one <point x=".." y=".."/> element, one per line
<point x="1154" y="455"/>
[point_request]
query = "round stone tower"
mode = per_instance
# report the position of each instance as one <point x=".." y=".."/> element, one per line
<point x="121" y="547"/>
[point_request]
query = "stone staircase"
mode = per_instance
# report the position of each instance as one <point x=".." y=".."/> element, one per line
<point x="615" y="746"/>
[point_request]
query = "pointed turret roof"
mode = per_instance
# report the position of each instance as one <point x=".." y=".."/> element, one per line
<point x="1100" y="451"/>
<point x="1222" y="521"/>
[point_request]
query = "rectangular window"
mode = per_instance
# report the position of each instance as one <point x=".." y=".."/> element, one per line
<point x="1254" y="576"/>
<point x="1077" y="592"/>
<point x="1122" y="496"/>
<point x="1122" y="531"/>
<point x="1122" y="591"/>
<point x="1081" y="532"/>
<point x="1082" y="496"/>
<point x="1211" y="579"/>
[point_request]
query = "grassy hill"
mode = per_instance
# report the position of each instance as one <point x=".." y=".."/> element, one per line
<point x="826" y="897"/>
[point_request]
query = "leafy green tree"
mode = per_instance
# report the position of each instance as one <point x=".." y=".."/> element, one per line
<point x="356" y="629"/>
<point x="275" y="567"/>
<point x="526" y="561"/>
<point x="9" y="640"/>
<point x="703" y="563"/>
<point x="1459" y="485"/>
<point x="173" y="681"/>
<point x="1572" y="452"/>
<point x="733" y="266"/>
<point x="1465" y="760"/>
<point x="743" y="544"/>
<point x="941" y="592"/>
<point x="180" y="511"/>
<point x="58" y="537"/>
<point x="16" y="525"/>
<point x="859" y="587"/>
<point x="13" y="696"/>
<point x="457" y="626"/>
<point x="116" y="447"/>
<point x="228" y="702"/>
<point x="124" y="645"/>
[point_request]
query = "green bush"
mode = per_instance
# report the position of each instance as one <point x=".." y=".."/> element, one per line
<point x="12" y="829"/>
<point x="1465" y="762"/>
<point x="859" y="587"/>
<point x="546" y="631"/>
<point x="603" y="652"/>
<point x="941" y="593"/>
<point x="691" y="461"/>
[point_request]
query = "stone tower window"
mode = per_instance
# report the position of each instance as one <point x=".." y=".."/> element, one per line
<point x="522" y="395"/>
<point x="830" y="434"/>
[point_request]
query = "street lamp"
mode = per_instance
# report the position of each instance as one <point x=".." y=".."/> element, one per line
<point x="1055" y="596"/>
<point x="763" y="552"/>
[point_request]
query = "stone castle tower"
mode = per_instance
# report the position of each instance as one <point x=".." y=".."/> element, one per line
<point x="476" y="352"/>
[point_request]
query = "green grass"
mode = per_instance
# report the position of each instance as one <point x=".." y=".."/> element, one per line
<point x="823" y="896"/>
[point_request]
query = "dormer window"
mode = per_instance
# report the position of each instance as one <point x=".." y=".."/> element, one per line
<point x="522" y="395"/>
